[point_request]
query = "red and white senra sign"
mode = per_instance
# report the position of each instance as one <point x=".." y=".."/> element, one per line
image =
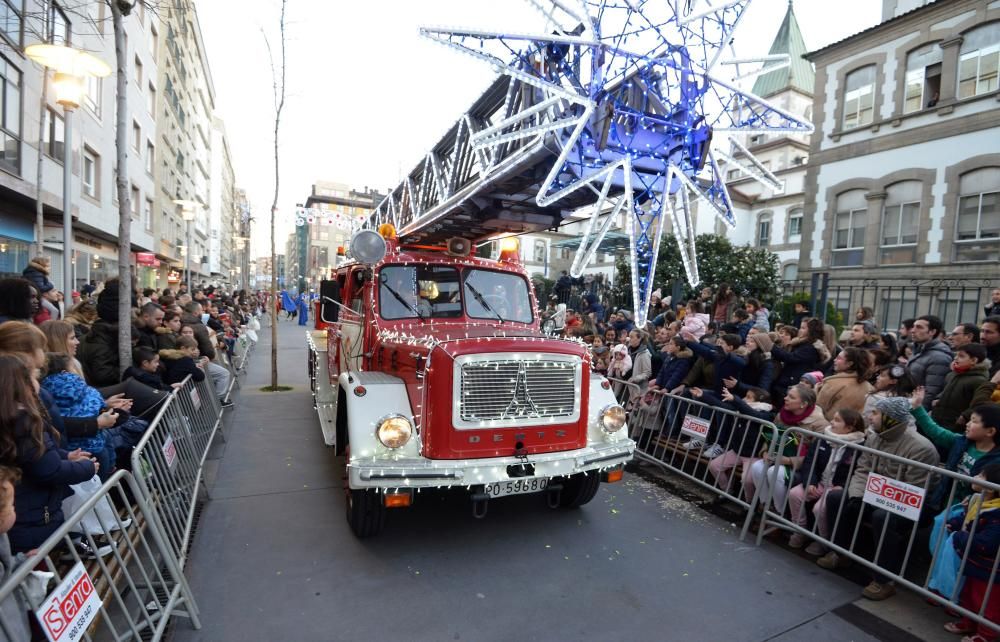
<point x="68" y="611"/>
<point x="696" y="426"/>
<point x="897" y="497"/>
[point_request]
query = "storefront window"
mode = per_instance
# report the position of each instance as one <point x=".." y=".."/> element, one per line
<point x="13" y="256"/>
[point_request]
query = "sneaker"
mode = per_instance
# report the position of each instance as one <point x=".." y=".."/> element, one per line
<point x="713" y="451"/>
<point x="816" y="549"/>
<point x="832" y="561"/>
<point x="797" y="540"/>
<point x="226" y="403"/>
<point x="694" y="444"/>
<point x="86" y="552"/>
<point x="878" y="591"/>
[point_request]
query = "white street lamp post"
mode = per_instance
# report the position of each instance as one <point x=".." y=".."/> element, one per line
<point x="187" y="212"/>
<point x="72" y="68"/>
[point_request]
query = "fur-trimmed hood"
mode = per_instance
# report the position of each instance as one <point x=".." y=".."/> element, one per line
<point x="41" y="267"/>
<point x="824" y="352"/>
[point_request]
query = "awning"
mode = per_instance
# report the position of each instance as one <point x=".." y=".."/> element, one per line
<point x="612" y="243"/>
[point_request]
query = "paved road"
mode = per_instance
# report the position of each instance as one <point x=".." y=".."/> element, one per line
<point x="273" y="558"/>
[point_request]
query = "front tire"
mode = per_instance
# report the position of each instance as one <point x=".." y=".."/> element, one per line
<point x="365" y="511"/>
<point x="579" y="489"/>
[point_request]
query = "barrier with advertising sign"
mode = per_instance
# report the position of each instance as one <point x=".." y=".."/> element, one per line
<point x="897" y="497"/>
<point x="658" y="421"/>
<point x="695" y="426"/>
<point x="130" y="593"/>
<point x="70" y="608"/>
<point x="168" y="461"/>
<point x="887" y="526"/>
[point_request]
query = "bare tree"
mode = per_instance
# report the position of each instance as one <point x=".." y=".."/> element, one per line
<point x="278" y="79"/>
<point x="120" y="9"/>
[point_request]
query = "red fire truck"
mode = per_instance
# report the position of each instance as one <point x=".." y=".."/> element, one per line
<point x="430" y="371"/>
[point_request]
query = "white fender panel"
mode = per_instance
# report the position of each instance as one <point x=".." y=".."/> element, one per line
<point x="599" y="399"/>
<point x="385" y="395"/>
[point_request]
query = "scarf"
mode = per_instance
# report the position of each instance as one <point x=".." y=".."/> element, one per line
<point x="837" y="455"/>
<point x="788" y="418"/>
<point x="977" y="506"/>
<point x="957" y="369"/>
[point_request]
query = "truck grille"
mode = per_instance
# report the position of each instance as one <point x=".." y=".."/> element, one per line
<point x="515" y="390"/>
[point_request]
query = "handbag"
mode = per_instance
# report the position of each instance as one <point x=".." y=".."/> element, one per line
<point x="91" y="521"/>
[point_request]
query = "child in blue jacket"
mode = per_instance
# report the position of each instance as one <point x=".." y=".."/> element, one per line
<point x="983" y="511"/>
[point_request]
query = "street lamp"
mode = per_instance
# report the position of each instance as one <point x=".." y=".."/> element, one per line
<point x="187" y="212"/>
<point x="72" y="67"/>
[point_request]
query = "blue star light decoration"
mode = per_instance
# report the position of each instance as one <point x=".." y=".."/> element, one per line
<point x="627" y="91"/>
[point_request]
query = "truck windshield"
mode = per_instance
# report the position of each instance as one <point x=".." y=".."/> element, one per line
<point x="497" y="295"/>
<point x="425" y="291"/>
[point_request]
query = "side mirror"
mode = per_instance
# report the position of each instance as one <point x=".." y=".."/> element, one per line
<point x="329" y="296"/>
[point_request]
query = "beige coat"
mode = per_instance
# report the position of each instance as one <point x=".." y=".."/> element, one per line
<point x="842" y="390"/>
<point x="900" y="440"/>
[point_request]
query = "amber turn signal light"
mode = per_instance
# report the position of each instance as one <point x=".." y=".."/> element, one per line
<point x="398" y="500"/>
<point x="611" y="476"/>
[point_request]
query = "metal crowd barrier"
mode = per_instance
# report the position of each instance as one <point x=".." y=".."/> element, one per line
<point x="892" y="529"/>
<point x="241" y="353"/>
<point x="662" y="423"/>
<point x="168" y="462"/>
<point x="130" y="593"/>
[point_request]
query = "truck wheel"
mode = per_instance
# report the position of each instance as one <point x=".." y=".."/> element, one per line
<point x="365" y="511"/>
<point x="579" y="489"/>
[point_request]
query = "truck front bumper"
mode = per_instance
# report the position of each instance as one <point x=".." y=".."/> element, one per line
<point x="442" y="473"/>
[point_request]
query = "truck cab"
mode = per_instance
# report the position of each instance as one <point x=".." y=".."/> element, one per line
<point x="435" y="374"/>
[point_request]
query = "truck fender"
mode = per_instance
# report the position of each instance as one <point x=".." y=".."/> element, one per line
<point x="369" y="397"/>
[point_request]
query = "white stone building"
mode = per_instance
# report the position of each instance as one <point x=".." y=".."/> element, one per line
<point x="904" y="165"/>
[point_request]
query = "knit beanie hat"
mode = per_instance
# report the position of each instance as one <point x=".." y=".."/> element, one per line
<point x="764" y="341"/>
<point x="895" y="408"/>
<point x="812" y="378"/>
<point x="107" y="302"/>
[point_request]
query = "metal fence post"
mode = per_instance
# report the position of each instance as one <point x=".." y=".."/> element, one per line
<point x="824" y="294"/>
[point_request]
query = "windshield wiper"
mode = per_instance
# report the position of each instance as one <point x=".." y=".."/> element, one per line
<point x="482" y="301"/>
<point x="399" y="297"/>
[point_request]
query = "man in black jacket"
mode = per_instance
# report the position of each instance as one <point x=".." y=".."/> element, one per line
<point x="992" y="309"/>
<point x="219" y="374"/>
<point x="150" y="318"/>
<point x="989" y="334"/>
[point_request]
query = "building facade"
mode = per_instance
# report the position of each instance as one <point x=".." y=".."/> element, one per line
<point x="313" y="247"/>
<point x="172" y="137"/>
<point x="191" y="142"/>
<point x="904" y="165"/>
<point x="31" y="129"/>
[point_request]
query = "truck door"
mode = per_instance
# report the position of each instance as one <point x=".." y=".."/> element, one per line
<point x="352" y="321"/>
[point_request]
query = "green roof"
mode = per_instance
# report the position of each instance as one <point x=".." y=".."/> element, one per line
<point x="799" y="73"/>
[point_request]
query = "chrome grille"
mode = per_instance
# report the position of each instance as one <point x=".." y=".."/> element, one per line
<point x="512" y="390"/>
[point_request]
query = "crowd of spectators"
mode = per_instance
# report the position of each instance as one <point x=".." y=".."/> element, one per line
<point x="69" y="410"/>
<point x="922" y="391"/>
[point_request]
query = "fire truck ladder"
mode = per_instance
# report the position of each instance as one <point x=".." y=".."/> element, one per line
<point x="613" y="106"/>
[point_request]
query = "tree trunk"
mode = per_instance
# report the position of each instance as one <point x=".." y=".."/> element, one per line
<point x="39" y="206"/>
<point x="118" y="12"/>
<point x="279" y="104"/>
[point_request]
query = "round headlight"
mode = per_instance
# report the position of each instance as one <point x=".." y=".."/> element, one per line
<point x="394" y="431"/>
<point x="612" y="418"/>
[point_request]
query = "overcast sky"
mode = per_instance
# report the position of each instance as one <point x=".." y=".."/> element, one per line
<point x="367" y="97"/>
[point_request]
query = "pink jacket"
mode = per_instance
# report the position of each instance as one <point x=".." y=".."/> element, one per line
<point x="696" y="324"/>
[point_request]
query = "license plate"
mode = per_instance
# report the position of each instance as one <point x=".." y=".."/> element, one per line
<point x="516" y="487"/>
